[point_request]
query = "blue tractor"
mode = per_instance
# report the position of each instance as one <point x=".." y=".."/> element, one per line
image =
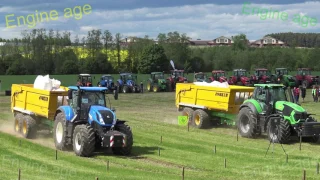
<point x="86" y="123"/>
<point x="108" y="82"/>
<point x="128" y="83"/>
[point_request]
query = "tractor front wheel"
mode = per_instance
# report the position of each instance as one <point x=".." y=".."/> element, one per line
<point x="200" y="119"/>
<point x="29" y="127"/>
<point x="246" y="122"/>
<point x="155" y="88"/>
<point x="125" y="89"/>
<point x="126" y="150"/>
<point x="84" y="140"/>
<point x="149" y="87"/>
<point x="60" y="132"/>
<point x="279" y="133"/>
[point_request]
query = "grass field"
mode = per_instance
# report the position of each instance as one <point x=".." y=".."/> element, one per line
<point x="152" y="115"/>
<point x="66" y="80"/>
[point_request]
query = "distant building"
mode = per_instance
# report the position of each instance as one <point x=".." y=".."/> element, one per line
<point x="221" y="41"/>
<point x="267" y="41"/>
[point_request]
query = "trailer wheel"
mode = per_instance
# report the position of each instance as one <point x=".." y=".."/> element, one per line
<point x="246" y="122"/>
<point x="125" y="129"/>
<point x="84" y="140"/>
<point x="279" y="133"/>
<point x="60" y="132"/>
<point x="200" y="119"/>
<point x="18" y="118"/>
<point x="29" y="127"/>
<point x="189" y="113"/>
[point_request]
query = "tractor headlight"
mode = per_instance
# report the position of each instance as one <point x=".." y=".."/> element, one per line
<point x="100" y="119"/>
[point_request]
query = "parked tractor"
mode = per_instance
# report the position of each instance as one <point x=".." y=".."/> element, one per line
<point x="265" y="108"/>
<point x="218" y="75"/>
<point x="282" y="76"/>
<point x="84" y="80"/>
<point x="128" y="83"/>
<point x="305" y="78"/>
<point x="177" y="76"/>
<point x="157" y="82"/>
<point x="108" y="82"/>
<point x="261" y="76"/>
<point x="83" y="123"/>
<point x="239" y="78"/>
<point x="200" y="77"/>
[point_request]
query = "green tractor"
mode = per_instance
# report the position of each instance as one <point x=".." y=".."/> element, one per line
<point x="157" y="82"/>
<point x="282" y="76"/>
<point x="271" y="110"/>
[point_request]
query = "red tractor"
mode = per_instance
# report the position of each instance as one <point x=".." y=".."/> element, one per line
<point x="218" y="75"/>
<point x="261" y="76"/>
<point x="239" y="78"/>
<point x="84" y="80"/>
<point x="304" y="77"/>
<point x="176" y="76"/>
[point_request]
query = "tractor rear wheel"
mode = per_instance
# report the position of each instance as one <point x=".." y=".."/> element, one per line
<point x="18" y="118"/>
<point x="84" y="140"/>
<point x="125" y="129"/>
<point x="149" y="87"/>
<point x="200" y="119"/>
<point x="60" y="132"/>
<point x="29" y="127"/>
<point x="246" y="122"/>
<point x="189" y="113"/>
<point x="279" y="133"/>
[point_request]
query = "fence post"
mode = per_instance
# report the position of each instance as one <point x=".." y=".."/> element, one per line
<point x="304" y="175"/>
<point x="19" y="174"/>
<point x="182" y="173"/>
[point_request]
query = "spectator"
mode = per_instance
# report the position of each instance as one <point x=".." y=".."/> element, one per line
<point x="313" y="91"/>
<point x="296" y="92"/>
<point x="317" y="93"/>
<point x="141" y="86"/>
<point x="303" y="92"/>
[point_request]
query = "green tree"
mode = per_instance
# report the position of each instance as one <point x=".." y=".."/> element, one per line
<point x="153" y="59"/>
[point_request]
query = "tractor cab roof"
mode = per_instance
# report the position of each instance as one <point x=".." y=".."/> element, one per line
<point x="218" y="71"/>
<point x="125" y="74"/>
<point x="281" y="68"/>
<point x="84" y="75"/>
<point x="261" y="69"/>
<point x="308" y="69"/>
<point x="106" y="75"/>
<point x="269" y="85"/>
<point x="157" y="73"/>
<point x="177" y="70"/>
<point x="239" y="70"/>
<point x="199" y="73"/>
<point x="89" y="89"/>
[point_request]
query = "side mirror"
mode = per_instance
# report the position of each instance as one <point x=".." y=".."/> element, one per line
<point x="116" y="94"/>
<point x="69" y="94"/>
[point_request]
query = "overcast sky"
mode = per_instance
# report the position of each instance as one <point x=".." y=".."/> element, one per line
<point x="199" y="19"/>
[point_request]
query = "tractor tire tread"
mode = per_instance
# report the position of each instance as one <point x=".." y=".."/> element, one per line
<point x="31" y="127"/>
<point x="188" y="111"/>
<point x="88" y="140"/>
<point x="204" y="119"/>
<point x="252" y="132"/>
<point x="60" y="117"/>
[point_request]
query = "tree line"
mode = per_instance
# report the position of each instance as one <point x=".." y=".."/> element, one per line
<point x="42" y="51"/>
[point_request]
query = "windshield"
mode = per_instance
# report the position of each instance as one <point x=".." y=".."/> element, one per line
<point x="93" y="98"/>
<point x="200" y="76"/>
<point x="283" y="72"/>
<point x="261" y="73"/>
<point x="178" y="74"/>
<point x="278" y="94"/>
<point x="158" y="76"/>
<point x="304" y="72"/>
<point x="219" y="74"/>
<point x="130" y="77"/>
<point x="108" y="78"/>
<point x="86" y="79"/>
<point x="241" y="73"/>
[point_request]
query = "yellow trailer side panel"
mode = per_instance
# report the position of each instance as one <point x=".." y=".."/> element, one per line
<point x="40" y="102"/>
<point x="212" y="98"/>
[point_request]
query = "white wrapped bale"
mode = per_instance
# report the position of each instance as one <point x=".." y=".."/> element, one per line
<point x="213" y="84"/>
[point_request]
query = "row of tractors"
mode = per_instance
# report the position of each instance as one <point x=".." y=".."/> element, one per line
<point x="262" y="76"/>
<point x="128" y="82"/>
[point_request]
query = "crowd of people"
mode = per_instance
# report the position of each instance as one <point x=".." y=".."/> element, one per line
<point x="302" y="91"/>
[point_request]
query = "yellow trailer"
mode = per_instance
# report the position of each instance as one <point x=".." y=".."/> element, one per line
<point x="204" y="105"/>
<point x="33" y="107"/>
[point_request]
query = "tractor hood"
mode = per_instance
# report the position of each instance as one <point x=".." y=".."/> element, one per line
<point x="130" y="82"/>
<point x="102" y="115"/>
<point x="289" y="106"/>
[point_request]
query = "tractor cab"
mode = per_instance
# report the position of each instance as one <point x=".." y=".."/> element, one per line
<point x="107" y="77"/>
<point x="261" y="76"/>
<point x="218" y="75"/>
<point x="200" y="77"/>
<point x="240" y="73"/>
<point x="155" y="76"/>
<point x="128" y="76"/>
<point x="281" y="71"/>
<point x="84" y="80"/>
<point x="304" y="72"/>
<point x="84" y="101"/>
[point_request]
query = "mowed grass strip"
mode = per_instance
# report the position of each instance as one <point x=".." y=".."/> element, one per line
<point x="152" y="115"/>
